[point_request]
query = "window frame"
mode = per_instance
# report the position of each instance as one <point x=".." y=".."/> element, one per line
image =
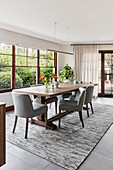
<point x="103" y="52"/>
<point x="54" y="64"/>
<point x="13" y="67"/>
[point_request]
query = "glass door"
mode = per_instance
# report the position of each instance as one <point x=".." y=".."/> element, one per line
<point x="108" y="74"/>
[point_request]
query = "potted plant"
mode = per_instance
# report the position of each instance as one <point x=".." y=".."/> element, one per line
<point x="66" y="73"/>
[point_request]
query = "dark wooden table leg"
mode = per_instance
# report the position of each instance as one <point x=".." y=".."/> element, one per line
<point x="41" y="118"/>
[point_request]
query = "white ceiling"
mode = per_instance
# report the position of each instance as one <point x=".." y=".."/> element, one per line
<point x="88" y="20"/>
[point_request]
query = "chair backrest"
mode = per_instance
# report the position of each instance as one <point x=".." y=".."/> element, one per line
<point x="23" y="105"/>
<point x="89" y="94"/>
<point x="81" y="96"/>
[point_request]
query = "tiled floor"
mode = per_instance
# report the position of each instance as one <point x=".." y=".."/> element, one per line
<point x="100" y="159"/>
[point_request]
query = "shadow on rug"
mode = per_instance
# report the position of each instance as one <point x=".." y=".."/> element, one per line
<point x="68" y="146"/>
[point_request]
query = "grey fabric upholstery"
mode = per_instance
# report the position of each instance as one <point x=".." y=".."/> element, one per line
<point x="66" y="95"/>
<point x="39" y="108"/>
<point x="75" y="103"/>
<point x="24" y="107"/>
<point x="51" y="99"/>
<point x="88" y="98"/>
<point x="76" y="97"/>
<point x="67" y="105"/>
<point x="89" y="94"/>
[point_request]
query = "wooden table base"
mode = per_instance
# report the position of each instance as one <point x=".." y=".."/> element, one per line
<point x="50" y="125"/>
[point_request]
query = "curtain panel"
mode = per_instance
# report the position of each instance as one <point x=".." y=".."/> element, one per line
<point x="86" y="64"/>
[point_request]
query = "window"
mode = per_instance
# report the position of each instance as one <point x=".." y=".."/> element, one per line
<point x="21" y="67"/>
<point x="46" y="62"/>
<point x="99" y="73"/>
<point x="106" y="73"/>
<point x="5" y="66"/>
<point x="25" y="66"/>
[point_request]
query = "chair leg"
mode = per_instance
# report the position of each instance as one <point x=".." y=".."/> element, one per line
<point x="31" y="121"/>
<point x="50" y="105"/>
<point x="46" y="120"/>
<point x="56" y="107"/>
<point x="16" y="118"/>
<point x="91" y="107"/>
<point x="26" y="132"/>
<point x="81" y="119"/>
<point x="59" y="117"/>
<point x="87" y="110"/>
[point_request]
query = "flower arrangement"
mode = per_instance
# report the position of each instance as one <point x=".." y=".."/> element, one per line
<point x="46" y="79"/>
<point x="55" y="77"/>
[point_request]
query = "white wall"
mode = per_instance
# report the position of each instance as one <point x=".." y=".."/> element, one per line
<point x="105" y="47"/>
<point x="26" y="41"/>
<point x="64" y="59"/>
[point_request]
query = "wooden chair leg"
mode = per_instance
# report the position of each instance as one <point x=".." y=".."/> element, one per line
<point x="26" y="132"/>
<point x="81" y="119"/>
<point x="59" y="117"/>
<point x="87" y="110"/>
<point x="16" y="118"/>
<point x="31" y="121"/>
<point x="56" y="107"/>
<point x="46" y="120"/>
<point x="91" y="107"/>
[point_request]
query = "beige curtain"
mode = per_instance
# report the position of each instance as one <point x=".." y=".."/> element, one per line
<point x="86" y="64"/>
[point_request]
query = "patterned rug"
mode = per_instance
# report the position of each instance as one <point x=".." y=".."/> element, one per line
<point x="68" y="146"/>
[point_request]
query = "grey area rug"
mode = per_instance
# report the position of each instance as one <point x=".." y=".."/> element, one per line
<point x="67" y="146"/>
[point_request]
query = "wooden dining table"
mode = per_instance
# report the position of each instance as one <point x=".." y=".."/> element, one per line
<point x="42" y="93"/>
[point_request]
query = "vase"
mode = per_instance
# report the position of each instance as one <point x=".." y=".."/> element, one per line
<point x="47" y="84"/>
<point x="56" y="84"/>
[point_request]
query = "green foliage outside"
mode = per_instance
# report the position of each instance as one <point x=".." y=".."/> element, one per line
<point x="28" y="75"/>
<point x="5" y="80"/>
<point x="25" y="76"/>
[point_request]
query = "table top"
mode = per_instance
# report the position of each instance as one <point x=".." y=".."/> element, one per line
<point x="49" y="92"/>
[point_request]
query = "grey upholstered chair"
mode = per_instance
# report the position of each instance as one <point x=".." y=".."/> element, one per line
<point x="26" y="109"/>
<point x="88" y="98"/>
<point x="49" y="100"/>
<point x="74" y="104"/>
<point x="66" y="95"/>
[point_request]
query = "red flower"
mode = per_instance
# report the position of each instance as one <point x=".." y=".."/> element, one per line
<point x="40" y="78"/>
<point x="40" y="75"/>
<point x="44" y="74"/>
<point x="44" y="81"/>
<point x="55" y="77"/>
